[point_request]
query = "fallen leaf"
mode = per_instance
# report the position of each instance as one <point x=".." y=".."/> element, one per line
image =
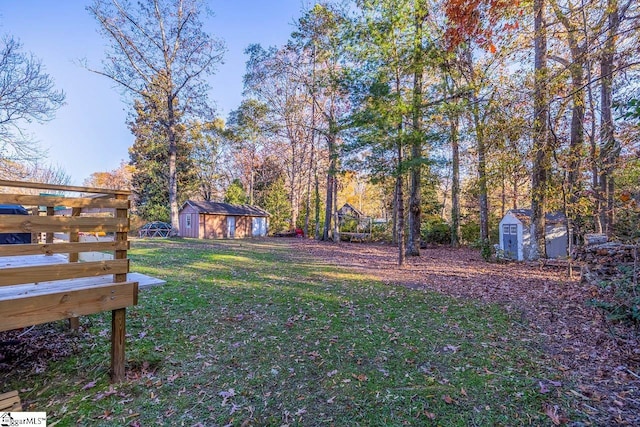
<point x="552" y="413"/>
<point x="361" y="377"/>
<point x="451" y="348"/>
<point x="447" y="399"/>
<point x="463" y="392"/>
<point x="543" y="388"/>
<point x="89" y="385"/>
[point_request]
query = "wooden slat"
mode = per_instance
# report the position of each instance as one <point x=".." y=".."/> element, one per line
<point x="45" y="288"/>
<point x="44" y="273"/>
<point x="10" y="402"/>
<point x="62" y="248"/>
<point x="52" y="187"/>
<point x="33" y="310"/>
<point x="68" y="202"/>
<point x="121" y="237"/>
<point x="29" y="224"/>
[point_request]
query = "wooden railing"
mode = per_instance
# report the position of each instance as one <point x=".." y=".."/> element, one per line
<point x="45" y="281"/>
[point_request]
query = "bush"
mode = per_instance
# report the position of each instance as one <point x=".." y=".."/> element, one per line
<point x="485" y="247"/>
<point x="620" y="297"/>
<point x="382" y="232"/>
<point x="349" y="225"/>
<point x="469" y="233"/>
<point x="436" y="231"/>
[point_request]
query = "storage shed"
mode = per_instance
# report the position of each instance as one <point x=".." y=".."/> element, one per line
<point x="214" y="220"/>
<point x="515" y="235"/>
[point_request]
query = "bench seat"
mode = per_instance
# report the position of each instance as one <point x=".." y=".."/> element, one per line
<point x="10" y="402"/>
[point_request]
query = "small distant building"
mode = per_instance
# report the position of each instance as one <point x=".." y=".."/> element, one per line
<point x="214" y="220"/>
<point x="516" y="236"/>
<point x="348" y="211"/>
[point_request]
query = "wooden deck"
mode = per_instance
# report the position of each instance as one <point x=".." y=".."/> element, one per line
<point x="48" y="281"/>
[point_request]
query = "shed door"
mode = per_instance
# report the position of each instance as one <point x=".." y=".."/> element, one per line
<point x="510" y="240"/>
<point x="259" y="227"/>
<point x="231" y="227"/>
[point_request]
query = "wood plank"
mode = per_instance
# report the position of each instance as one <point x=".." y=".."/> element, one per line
<point x="68" y="202"/>
<point x="74" y="236"/>
<point x="52" y="187"/>
<point x="33" y="310"/>
<point x="118" y="334"/>
<point x="22" y="261"/>
<point x="29" y="224"/>
<point x="43" y="273"/>
<point x="49" y="234"/>
<point x="10" y="402"/>
<point x="121" y="237"/>
<point x="8" y="293"/>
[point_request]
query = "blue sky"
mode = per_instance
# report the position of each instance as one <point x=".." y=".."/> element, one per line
<point x="89" y="133"/>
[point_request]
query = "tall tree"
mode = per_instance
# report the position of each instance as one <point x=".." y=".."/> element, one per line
<point x="150" y="160"/>
<point x="319" y="35"/>
<point x="209" y="143"/>
<point x="160" y="44"/>
<point x="247" y="129"/>
<point x="418" y="56"/>
<point x="27" y="93"/>
<point x="117" y="179"/>
<point x="272" y="80"/>
<point x="610" y="147"/>
<point x="541" y="146"/>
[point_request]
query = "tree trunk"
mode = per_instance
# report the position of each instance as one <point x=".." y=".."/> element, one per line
<point x="609" y="147"/>
<point x="415" y="202"/>
<point x="317" y="201"/>
<point x="540" y="133"/>
<point x="173" y="171"/>
<point x="478" y="124"/>
<point x="400" y="208"/>
<point x="331" y="176"/>
<point x="482" y="179"/>
<point x="336" y="222"/>
<point x="455" y="182"/>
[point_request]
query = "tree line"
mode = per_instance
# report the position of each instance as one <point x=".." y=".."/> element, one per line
<point x="451" y="113"/>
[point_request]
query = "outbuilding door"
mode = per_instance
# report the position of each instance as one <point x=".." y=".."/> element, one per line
<point x="510" y="240"/>
<point x="231" y="227"/>
<point x="259" y="227"/>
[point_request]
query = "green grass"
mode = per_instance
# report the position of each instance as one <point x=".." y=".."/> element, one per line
<point x="243" y="335"/>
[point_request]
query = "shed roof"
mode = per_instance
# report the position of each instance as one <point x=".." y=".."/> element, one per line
<point x="348" y="206"/>
<point x="217" y="208"/>
<point x="524" y="216"/>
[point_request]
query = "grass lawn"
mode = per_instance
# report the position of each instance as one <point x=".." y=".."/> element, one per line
<point x="244" y="334"/>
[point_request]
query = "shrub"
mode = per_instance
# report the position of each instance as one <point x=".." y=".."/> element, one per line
<point x="620" y="297"/>
<point x="435" y="231"/>
<point x="382" y="232"/>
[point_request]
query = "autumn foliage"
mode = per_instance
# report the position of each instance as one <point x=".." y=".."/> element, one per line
<point x="478" y="21"/>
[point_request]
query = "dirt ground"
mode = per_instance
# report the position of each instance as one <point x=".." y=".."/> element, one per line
<point x="602" y="369"/>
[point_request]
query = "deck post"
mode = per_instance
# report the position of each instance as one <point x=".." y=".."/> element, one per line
<point x="118" y="332"/>
<point x="118" y="316"/>
<point x="74" y="237"/>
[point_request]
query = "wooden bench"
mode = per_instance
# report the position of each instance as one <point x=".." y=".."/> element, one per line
<point x="45" y="282"/>
<point x="10" y="402"/>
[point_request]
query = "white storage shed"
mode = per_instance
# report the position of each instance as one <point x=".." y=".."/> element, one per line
<point x="515" y="235"/>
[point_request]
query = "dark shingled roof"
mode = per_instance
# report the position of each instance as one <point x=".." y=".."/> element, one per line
<point x="217" y="208"/>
